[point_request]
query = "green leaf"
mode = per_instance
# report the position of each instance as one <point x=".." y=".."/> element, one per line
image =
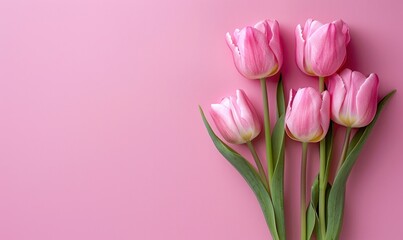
<point x="278" y="140"/>
<point x="337" y="193"/>
<point x="277" y="183"/>
<point x="280" y="97"/>
<point x="329" y="147"/>
<point x="355" y="139"/>
<point x="250" y="175"/>
<point x="313" y="211"/>
<point x="312" y="215"/>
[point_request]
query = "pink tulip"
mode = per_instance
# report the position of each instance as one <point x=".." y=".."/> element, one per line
<point x="236" y="118"/>
<point x="257" y="50"/>
<point x="354" y="98"/>
<point x="308" y="115"/>
<point x="321" y="48"/>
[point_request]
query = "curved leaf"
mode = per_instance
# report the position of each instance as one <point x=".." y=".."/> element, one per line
<point x="336" y="196"/>
<point x="277" y="183"/>
<point x="329" y="147"/>
<point x="280" y="97"/>
<point x="250" y="175"/>
<point x="312" y="215"/>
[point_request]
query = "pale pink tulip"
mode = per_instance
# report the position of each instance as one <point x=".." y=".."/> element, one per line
<point x="257" y="50"/>
<point x="236" y="118"/>
<point x="308" y="115"/>
<point x="354" y="98"/>
<point x="321" y="48"/>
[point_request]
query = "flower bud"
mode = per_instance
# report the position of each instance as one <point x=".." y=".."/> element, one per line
<point x="321" y="48"/>
<point x="236" y="118"/>
<point x="257" y="50"/>
<point x="354" y="98"/>
<point x="307" y="117"/>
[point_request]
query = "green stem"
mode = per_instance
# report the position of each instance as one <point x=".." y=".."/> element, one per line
<point x="269" y="151"/>
<point x="345" y="147"/>
<point x="322" y="192"/>
<point x="322" y="176"/>
<point x="258" y="163"/>
<point x="303" y="190"/>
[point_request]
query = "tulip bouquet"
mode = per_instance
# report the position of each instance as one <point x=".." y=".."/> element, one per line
<point x="344" y="97"/>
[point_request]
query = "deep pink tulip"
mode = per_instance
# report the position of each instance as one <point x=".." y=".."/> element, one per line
<point x="354" y="98"/>
<point x="308" y="115"/>
<point x="257" y="50"/>
<point x="321" y="48"/>
<point x="236" y="118"/>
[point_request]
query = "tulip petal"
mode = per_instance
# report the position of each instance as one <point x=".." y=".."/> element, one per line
<point x="345" y="30"/>
<point x="353" y="81"/>
<point x="337" y="90"/>
<point x="245" y="116"/>
<point x="303" y="121"/>
<point x="288" y="113"/>
<point x="366" y="101"/>
<point x="310" y="27"/>
<point x="232" y="45"/>
<point x="222" y="116"/>
<point x="275" y="42"/>
<point x="257" y="60"/>
<point x="300" y="49"/>
<point x="265" y="28"/>
<point x="243" y="100"/>
<point x="325" y="114"/>
<point x="326" y="48"/>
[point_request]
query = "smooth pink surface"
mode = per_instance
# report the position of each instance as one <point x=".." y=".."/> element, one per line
<point x="100" y="134"/>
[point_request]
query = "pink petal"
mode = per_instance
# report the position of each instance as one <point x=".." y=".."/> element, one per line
<point x="366" y="101"/>
<point x="337" y="90"/>
<point x="289" y="106"/>
<point x="222" y="116"/>
<point x="244" y="114"/>
<point x="265" y="28"/>
<point x="300" y="49"/>
<point x="344" y="29"/>
<point x="304" y="120"/>
<point x="310" y="27"/>
<point x="275" y="42"/>
<point x="326" y="49"/>
<point x="232" y="45"/>
<point x="243" y="100"/>
<point x="257" y="60"/>
<point x="325" y="114"/>
<point x="353" y="82"/>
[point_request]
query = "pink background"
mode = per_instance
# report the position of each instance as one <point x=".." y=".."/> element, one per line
<point x="101" y="138"/>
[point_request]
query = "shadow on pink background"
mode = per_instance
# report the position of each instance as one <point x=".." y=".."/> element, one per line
<point x="101" y="138"/>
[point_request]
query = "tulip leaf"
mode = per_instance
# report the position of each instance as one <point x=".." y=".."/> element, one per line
<point x="313" y="211"/>
<point x="329" y="146"/>
<point x="277" y="183"/>
<point x="278" y="139"/>
<point x="337" y="193"/>
<point x="250" y="175"/>
<point x="312" y="215"/>
<point x="355" y="139"/>
<point x="280" y="97"/>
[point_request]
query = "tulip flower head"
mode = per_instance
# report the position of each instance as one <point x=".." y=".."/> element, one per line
<point x="236" y="118"/>
<point x="321" y="48"/>
<point x="308" y="115"/>
<point x="257" y="50"/>
<point x="354" y="98"/>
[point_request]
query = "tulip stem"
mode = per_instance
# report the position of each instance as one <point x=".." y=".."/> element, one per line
<point x="345" y="148"/>
<point x="258" y="163"/>
<point x="303" y="190"/>
<point x="322" y="176"/>
<point x="269" y="151"/>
